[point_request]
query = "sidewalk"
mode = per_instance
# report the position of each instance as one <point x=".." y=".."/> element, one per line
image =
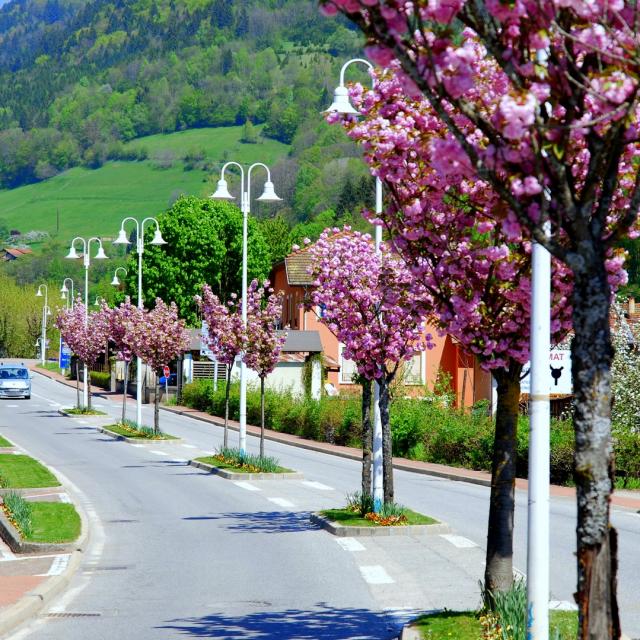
<point x="624" y="499"/>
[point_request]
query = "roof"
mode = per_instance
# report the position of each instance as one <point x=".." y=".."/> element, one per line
<point x="308" y="341"/>
<point x="296" y="266"/>
<point x="15" y="252"/>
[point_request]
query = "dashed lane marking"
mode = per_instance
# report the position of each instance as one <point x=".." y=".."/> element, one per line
<point x="376" y="574"/>
<point x="350" y="544"/>
<point x="12" y="406"/>
<point x="189" y="446"/>
<point x="158" y="453"/>
<point x="458" y="541"/>
<point x="281" y="502"/>
<point x="246" y="485"/>
<point x="312" y="484"/>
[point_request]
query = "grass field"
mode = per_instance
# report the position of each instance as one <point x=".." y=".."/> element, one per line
<point x="18" y="472"/>
<point x="94" y="202"/>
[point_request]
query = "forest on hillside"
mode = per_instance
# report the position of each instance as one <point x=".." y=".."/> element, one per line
<point x="78" y="79"/>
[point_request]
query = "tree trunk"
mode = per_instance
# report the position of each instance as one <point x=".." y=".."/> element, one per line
<point x="592" y="353"/>
<point x="88" y="383"/>
<point x="156" y="408"/>
<point x="498" y="575"/>
<point x="387" y="451"/>
<point x="261" y="417"/>
<point x="225" y="441"/>
<point x="367" y="438"/>
<point x="78" y="382"/>
<point x="124" y="391"/>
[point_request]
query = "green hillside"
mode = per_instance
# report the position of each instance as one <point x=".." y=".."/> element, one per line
<point x="91" y="202"/>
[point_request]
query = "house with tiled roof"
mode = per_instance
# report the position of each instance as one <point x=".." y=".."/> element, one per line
<point x="13" y="253"/>
<point x="468" y="381"/>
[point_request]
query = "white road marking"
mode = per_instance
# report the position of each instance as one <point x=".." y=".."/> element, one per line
<point x="350" y="544"/>
<point x="281" y="502"/>
<point x="6" y="554"/>
<point x="66" y="599"/>
<point x="189" y="446"/>
<point x="139" y="446"/>
<point x="158" y="453"/>
<point x="317" y="485"/>
<point x="82" y="422"/>
<point x="562" y="605"/>
<point x="65" y="498"/>
<point x="58" y="566"/>
<point x="247" y="486"/>
<point x="458" y="541"/>
<point x="12" y="406"/>
<point x="375" y="574"/>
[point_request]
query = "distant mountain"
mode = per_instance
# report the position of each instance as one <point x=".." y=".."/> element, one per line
<point x="79" y="78"/>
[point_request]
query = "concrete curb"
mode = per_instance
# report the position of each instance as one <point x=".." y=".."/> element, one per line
<point x="15" y="542"/>
<point x="230" y="475"/>
<point x="410" y="633"/>
<point x="84" y="416"/>
<point x="349" y="531"/>
<point x="117" y="436"/>
<point x="30" y="490"/>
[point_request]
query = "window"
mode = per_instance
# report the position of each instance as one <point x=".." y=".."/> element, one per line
<point x="414" y="369"/>
<point x="347" y="368"/>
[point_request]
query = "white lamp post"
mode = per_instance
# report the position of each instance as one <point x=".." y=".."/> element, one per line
<point x="66" y="294"/>
<point x="123" y="239"/>
<point x="341" y="104"/>
<point x="73" y="255"/>
<point x="268" y="195"/>
<point x="115" y="282"/>
<point x="45" y="307"/>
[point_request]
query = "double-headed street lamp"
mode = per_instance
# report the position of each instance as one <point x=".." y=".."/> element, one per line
<point x="45" y="312"/>
<point x="67" y="295"/>
<point x="73" y="255"/>
<point x="123" y="239"/>
<point x="268" y="195"/>
<point x="342" y="105"/>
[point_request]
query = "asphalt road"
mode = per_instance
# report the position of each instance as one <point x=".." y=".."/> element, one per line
<point x="177" y="553"/>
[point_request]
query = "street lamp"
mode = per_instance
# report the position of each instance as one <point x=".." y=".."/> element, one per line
<point x="123" y="239"/>
<point x="115" y="282"/>
<point x="268" y="195"/>
<point x="43" y="339"/>
<point x="73" y="255"/>
<point x="342" y="105"/>
<point x="66" y="295"/>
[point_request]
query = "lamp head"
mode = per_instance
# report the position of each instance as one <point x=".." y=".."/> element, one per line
<point x="63" y="295"/>
<point x="73" y="254"/>
<point x="39" y="293"/>
<point x="222" y="191"/>
<point x="157" y="237"/>
<point x="63" y="288"/>
<point x="122" y="238"/>
<point x="341" y="103"/>
<point x="269" y="194"/>
<point x="115" y="282"/>
<point x="101" y="254"/>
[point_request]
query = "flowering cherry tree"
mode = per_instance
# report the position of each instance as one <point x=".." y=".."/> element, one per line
<point x="367" y="303"/>
<point x="88" y="340"/>
<point x="477" y="275"/>
<point x="264" y="343"/>
<point x="540" y="104"/>
<point x="157" y="337"/>
<point x="226" y="337"/>
<point x="120" y="319"/>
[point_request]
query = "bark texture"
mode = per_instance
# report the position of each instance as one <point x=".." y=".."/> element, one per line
<point x="387" y="450"/>
<point x="262" y="417"/>
<point x="498" y="575"/>
<point x="124" y="391"/>
<point x="367" y="438"/>
<point x="592" y="354"/>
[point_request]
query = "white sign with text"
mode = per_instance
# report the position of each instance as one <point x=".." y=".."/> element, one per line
<point x="559" y="373"/>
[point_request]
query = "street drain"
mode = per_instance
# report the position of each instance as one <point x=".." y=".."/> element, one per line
<point x="74" y="614"/>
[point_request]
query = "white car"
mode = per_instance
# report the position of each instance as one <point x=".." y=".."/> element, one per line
<point x="15" y="381"/>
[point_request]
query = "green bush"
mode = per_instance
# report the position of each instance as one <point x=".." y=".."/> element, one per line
<point x="101" y="379"/>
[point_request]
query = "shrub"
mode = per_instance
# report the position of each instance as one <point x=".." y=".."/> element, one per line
<point x="101" y="379"/>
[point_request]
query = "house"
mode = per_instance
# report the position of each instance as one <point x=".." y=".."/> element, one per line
<point x="13" y="253"/>
<point x="468" y="381"/>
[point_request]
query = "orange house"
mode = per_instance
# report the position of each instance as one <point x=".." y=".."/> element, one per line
<point x="468" y="381"/>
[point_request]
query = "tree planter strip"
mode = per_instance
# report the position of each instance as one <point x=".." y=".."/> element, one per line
<point x="404" y="530"/>
<point x="117" y="436"/>
<point x="230" y="475"/>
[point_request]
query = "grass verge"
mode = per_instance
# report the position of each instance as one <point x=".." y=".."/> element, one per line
<point x="21" y="472"/>
<point x="54" y="522"/>
<point x="467" y="625"/>
<point x="234" y="460"/>
<point x="81" y="411"/>
<point x="348" y="517"/>
<point x="142" y="433"/>
<point x="5" y="443"/>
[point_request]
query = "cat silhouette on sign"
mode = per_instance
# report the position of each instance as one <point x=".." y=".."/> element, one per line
<point x="556" y="373"/>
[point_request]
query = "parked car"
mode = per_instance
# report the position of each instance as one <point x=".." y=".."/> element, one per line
<point x="173" y="380"/>
<point x="15" y="381"/>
